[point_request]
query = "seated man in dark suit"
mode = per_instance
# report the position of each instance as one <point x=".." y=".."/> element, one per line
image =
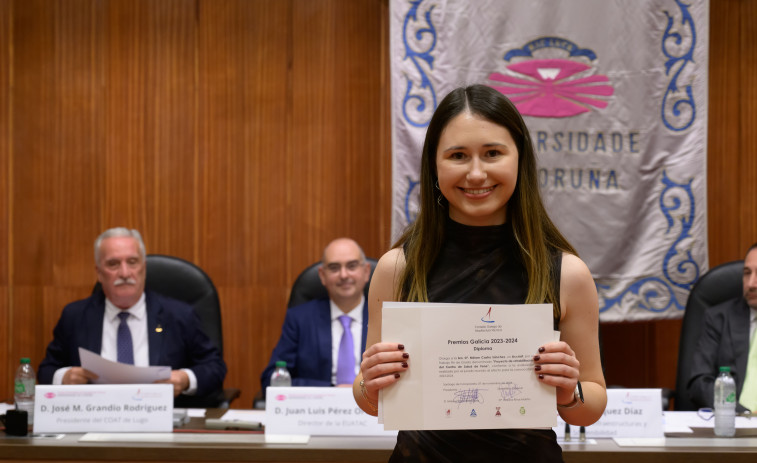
<point x="728" y="331"/>
<point x="317" y="348"/>
<point x="125" y="323"/>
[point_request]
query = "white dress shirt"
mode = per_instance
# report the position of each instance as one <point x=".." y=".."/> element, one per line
<point x="337" y="330"/>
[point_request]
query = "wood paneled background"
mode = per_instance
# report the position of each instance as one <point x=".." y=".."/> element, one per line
<point x="243" y="135"/>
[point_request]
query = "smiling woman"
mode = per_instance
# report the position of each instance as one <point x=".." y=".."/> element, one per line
<point x="477" y="167"/>
<point x="482" y="236"/>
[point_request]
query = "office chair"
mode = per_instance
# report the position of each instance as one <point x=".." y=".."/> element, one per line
<point x="306" y="287"/>
<point x="718" y="285"/>
<point x="184" y="281"/>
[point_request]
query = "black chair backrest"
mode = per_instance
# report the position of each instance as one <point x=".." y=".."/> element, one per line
<point x="308" y="285"/>
<point x="718" y="285"/>
<point x="184" y="281"/>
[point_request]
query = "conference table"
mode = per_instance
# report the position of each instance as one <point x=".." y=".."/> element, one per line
<point x="192" y="444"/>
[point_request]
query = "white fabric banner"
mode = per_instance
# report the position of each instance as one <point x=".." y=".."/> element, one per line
<point x="615" y="96"/>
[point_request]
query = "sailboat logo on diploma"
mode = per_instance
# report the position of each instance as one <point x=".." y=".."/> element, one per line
<point x="488" y="317"/>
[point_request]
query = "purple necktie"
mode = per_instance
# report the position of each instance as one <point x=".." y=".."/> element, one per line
<point x="345" y="366"/>
<point x="123" y="341"/>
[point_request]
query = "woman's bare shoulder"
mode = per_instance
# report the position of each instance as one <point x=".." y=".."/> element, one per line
<point x="392" y="261"/>
<point x="574" y="271"/>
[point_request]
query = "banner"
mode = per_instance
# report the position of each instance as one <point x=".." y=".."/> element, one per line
<point x="615" y="96"/>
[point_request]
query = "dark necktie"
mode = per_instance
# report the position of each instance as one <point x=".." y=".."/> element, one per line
<point x="123" y="341"/>
<point x="345" y="366"/>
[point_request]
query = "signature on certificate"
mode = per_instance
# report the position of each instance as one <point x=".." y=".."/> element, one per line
<point x="464" y="396"/>
<point x="509" y="390"/>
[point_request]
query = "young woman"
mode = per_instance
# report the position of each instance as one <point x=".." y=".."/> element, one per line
<point x="482" y="235"/>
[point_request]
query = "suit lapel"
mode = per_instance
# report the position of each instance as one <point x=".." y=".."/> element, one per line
<point x="323" y="330"/>
<point x="740" y="338"/>
<point x="94" y="322"/>
<point x="155" y="328"/>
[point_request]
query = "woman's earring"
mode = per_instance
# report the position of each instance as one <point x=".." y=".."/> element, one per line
<point x="438" y="198"/>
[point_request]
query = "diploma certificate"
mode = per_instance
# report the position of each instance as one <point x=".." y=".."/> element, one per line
<point x="470" y="367"/>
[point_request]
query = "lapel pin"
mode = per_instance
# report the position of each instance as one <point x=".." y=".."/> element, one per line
<point x="158" y="329"/>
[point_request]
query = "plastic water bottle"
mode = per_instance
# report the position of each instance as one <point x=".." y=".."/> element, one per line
<point x="281" y="376"/>
<point x="24" y="388"/>
<point x="725" y="404"/>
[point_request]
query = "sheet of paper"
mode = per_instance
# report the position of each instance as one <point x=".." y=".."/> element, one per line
<point x="471" y="366"/>
<point x="109" y="372"/>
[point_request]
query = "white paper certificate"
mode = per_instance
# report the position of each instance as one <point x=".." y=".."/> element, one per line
<point x="470" y="367"/>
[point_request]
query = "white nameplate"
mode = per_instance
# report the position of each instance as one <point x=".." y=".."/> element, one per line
<point x="318" y="411"/>
<point x="629" y="413"/>
<point x="104" y="408"/>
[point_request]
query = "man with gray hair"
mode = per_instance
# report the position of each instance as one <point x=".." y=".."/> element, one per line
<point x="125" y="323"/>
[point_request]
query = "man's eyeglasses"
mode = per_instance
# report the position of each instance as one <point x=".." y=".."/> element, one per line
<point x="336" y="267"/>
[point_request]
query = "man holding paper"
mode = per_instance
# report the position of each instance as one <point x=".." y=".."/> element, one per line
<point x="482" y="236"/>
<point x="125" y="323"/>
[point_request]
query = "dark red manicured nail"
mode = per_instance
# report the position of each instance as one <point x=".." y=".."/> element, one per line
<point x="401" y="346"/>
<point x="397" y="375"/>
<point x="537" y="368"/>
<point x="404" y="364"/>
<point x="541" y="376"/>
<point x="405" y="355"/>
<point x="536" y="358"/>
<point x="541" y="349"/>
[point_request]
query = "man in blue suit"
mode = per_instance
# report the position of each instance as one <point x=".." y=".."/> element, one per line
<point x="313" y="333"/>
<point x="125" y="323"/>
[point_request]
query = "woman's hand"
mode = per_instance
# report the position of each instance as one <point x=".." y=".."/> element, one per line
<point x="381" y="367"/>
<point x="556" y="365"/>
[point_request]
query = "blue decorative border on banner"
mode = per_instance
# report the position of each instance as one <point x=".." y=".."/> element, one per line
<point x="411" y="184"/>
<point x="684" y="59"/>
<point x="412" y="95"/>
<point x="655" y="294"/>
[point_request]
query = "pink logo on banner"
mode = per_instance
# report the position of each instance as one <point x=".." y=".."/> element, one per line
<point x="548" y="88"/>
<point x="281" y="397"/>
<point x="49" y="395"/>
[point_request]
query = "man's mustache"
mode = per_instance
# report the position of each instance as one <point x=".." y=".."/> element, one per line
<point x="125" y="281"/>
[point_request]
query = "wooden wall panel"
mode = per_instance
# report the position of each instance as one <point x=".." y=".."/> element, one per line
<point x="6" y="361"/>
<point x="244" y="140"/>
<point x="747" y="114"/>
<point x="724" y="150"/>
<point x="170" y="121"/>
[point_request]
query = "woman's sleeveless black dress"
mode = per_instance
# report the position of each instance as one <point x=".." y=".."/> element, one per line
<point x="480" y="265"/>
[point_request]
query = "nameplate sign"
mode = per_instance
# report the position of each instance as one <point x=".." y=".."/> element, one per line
<point x="318" y="411"/>
<point x="629" y="413"/>
<point x="104" y="408"/>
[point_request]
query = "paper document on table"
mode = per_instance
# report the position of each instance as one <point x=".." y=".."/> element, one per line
<point x="109" y="372"/>
<point x="471" y="366"/>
